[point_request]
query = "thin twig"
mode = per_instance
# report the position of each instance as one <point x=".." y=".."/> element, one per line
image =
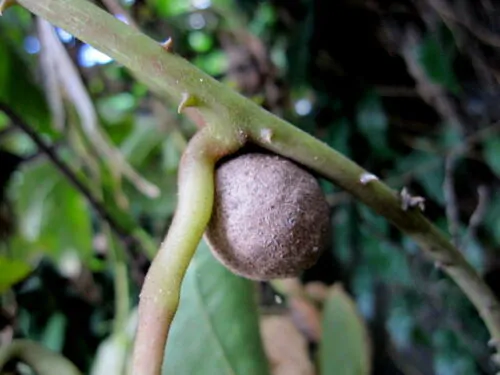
<point x="467" y="44"/>
<point x="40" y="154"/>
<point x="115" y="7"/>
<point x="433" y="94"/>
<point x="478" y="215"/>
<point x="466" y="20"/>
<point x="490" y="131"/>
<point x="78" y="95"/>
<point x="66" y="171"/>
<point x="450" y="198"/>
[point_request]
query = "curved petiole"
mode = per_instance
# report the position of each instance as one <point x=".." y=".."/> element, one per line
<point x="161" y="290"/>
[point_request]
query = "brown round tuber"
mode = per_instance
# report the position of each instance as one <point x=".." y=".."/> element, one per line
<point x="270" y="220"/>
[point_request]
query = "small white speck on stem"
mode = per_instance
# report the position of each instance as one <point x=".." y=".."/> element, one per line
<point x="266" y="135"/>
<point x="367" y="177"/>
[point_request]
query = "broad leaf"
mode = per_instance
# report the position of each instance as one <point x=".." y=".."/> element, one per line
<point x="216" y="330"/>
<point x="53" y="216"/>
<point x="19" y="91"/>
<point x="338" y="136"/>
<point x="373" y="123"/>
<point x="345" y="347"/>
<point x="170" y="8"/>
<point x="491" y="153"/>
<point x="53" y="335"/>
<point x="436" y="54"/>
<point x="111" y="355"/>
<point x="11" y="272"/>
<point x="380" y="256"/>
<point x="141" y="142"/>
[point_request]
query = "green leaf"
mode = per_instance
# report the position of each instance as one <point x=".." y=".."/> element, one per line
<point x="216" y="329"/>
<point x="338" y="136"/>
<point x="116" y="107"/>
<point x="73" y="230"/>
<point x="213" y="63"/>
<point x="401" y="323"/>
<point x="170" y="8"/>
<point x="491" y="151"/>
<point x="436" y="54"/>
<point x="19" y="91"/>
<point x="372" y="122"/>
<point x="54" y="333"/>
<point x="141" y="142"/>
<point x="450" y="137"/>
<point x="31" y="202"/>
<point x="111" y="355"/>
<point x="160" y="208"/>
<point x="11" y="272"/>
<point x="492" y="214"/>
<point x="345" y="347"/>
<point x="200" y="41"/>
<point x="263" y="20"/>
<point x="451" y="355"/>
<point x="53" y="216"/>
<point x="380" y="256"/>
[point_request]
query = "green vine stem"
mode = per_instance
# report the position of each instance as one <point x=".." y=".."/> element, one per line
<point x="117" y="260"/>
<point x="42" y="360"/>
<point x="161" y="290"/>
<point x="174" y="79"/>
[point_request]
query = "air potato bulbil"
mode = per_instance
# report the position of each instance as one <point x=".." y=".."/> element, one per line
<point x="270" y="218"/>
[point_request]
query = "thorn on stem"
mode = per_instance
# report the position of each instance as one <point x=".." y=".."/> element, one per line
<point x="266" y="135"/>
<point x="187" y="100"/>
<point x="6" y="4"/>
<point x="168" y="45"/>
<point x="367" y="177"/>
<point x="493" y="343"/>
<point x="409" y="201"/>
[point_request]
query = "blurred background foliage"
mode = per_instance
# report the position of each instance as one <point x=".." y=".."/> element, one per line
<point x="408" y="89"/>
